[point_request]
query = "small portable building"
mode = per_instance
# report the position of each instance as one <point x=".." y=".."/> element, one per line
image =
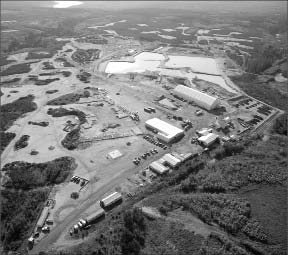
<point x="209" y="139"/>
<point x="192" y="95"/>
<point x="166" y="132"/>
<point x="110" y="200"/>
<point x="158" y="168"/>
<point x="43" y="217"/>
<point x="95" y="216"/>
<point x="171" y="160"/>
<point x="204" y="131"/>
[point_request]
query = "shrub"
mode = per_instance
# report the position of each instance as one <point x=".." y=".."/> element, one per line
<point x="75" y="195"/>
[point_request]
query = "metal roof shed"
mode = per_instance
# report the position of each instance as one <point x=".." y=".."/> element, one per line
<point x="171" y="160"/>
<point x="166" y="131"/>
<point x="111" y="199"/>
<point x="94" y="216"/>
<point x="202" y="99"/>
<point x="158" y="168"/>
<point x="209" y="139"/>
<point x="43" y="217"/>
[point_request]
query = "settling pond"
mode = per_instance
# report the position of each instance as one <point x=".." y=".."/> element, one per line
<point x="204" y="68"/>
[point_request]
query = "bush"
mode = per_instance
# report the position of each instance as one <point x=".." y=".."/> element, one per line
<point x="281" y="125"/>
<point x="75" y="195"/>
<point x="22" y="142"/>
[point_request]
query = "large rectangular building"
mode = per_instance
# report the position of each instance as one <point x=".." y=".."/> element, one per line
<point x="158" y="168"/>
<point x="202" y="99"/>
<point x="166" y="132"/>
<point x="171" y="160"/>
<point x="43" y="217"/>
<point x="209" y="139"/>
<point x="110" y="200"/>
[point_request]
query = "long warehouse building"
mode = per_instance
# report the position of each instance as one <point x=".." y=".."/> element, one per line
<point x="202" y="99"/>
<point x="166" y="132"/>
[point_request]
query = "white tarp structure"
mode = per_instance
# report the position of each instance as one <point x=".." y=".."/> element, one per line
<point x="158" y="168"/>
<point x="111" y="199"/>
<point x="43" y="217"/>
<point x="115" y="154"/>
<point x="202" y="99"/>
<point x="171" y="160"/>
<point x="166" y="131"/>
<point x="209" y="139"/>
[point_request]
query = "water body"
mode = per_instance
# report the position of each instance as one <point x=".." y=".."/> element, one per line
<point x="109" y="24"/>
<point x="168" y="30"/>
<point x="155" y="62"/>
<point x="9" y="31"/>
<point x="168" y="37"/>
<point x="183" y="29"/>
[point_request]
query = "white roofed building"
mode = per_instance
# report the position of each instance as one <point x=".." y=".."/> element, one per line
<point x="202" y="99"/>
<point x="209" y="139"/>
<point x="110" y="200"/>
<point x="158" y="168"/>
<point x="171" y="160"/>
<point x="166" y="132"/>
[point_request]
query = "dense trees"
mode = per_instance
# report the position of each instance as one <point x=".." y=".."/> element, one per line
<point x="11" y="112"/>
<point x="23" y="175"/>
<point x="18" y="211"/>
<point x="281" y="125"/>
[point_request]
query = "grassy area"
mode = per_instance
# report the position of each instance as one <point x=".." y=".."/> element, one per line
<point x="24" y="175"/>
<point x="17" y="69"/>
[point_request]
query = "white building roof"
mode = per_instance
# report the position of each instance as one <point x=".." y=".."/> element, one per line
<point x="208" y="139"/>
<point x="43" y="217"/>
<point x="202" y="99"/>
<point x="112" y="198"/>
<point x="158" y="167"/>
<point x="171" y="160"/>
<point x="165" y="129"/>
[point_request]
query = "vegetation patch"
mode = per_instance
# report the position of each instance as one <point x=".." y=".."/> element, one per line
<point x="19" y="209"/>
<point x="83" y="56"/>
<point x="12" y="111"/>
<point x="22" y="142"/>
<point x="52" y="91"/>
<point x="24" y="175"/>
<point x="61" y="112"/>
<point x="7" y="82"/>
<point x="41" y="123"/>
<point x="65" y="62"/>
<point x="4" y="61"/>
<point x="17" y="69"/>
<point x="6" y="138"/>
<point x="261" y="91"/>
<point x="70" y="98"/>
<point x="71" y="140"/>
<point x="39" y="55"/>
<point x="48" y="66"/>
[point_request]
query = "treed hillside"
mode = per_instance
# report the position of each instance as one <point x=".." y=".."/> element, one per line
<point x="26" y="187"/>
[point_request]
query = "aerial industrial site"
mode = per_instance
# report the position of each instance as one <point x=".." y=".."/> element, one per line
<point x="102" y="122"/>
